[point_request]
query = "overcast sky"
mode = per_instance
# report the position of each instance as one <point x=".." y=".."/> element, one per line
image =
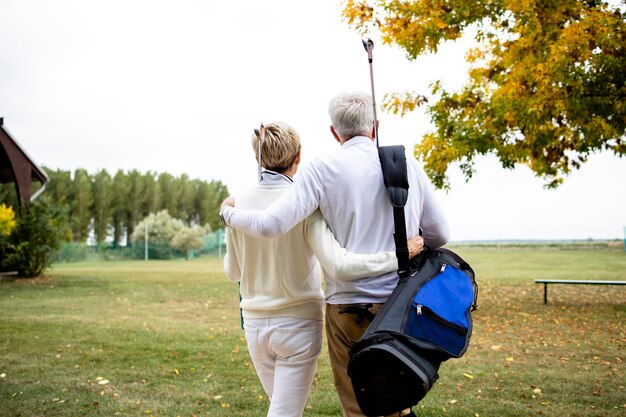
<point x="178" y="86"/>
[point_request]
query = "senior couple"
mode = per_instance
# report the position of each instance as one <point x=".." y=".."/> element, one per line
<point x="335" y="211"/>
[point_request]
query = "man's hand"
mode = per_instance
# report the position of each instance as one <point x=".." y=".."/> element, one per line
<point x="229" y="201"/>
<point x="415" y="245"/>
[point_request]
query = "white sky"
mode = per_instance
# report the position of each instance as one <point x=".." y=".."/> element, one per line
<point x="178" y="86"/>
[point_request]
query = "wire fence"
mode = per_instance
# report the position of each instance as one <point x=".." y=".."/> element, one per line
<point x="212" y="245"/>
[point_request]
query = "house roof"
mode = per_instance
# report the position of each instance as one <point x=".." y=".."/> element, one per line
<point x="16" y="166"/>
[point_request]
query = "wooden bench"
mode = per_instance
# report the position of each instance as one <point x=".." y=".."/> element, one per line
<point x="545" y="283"/>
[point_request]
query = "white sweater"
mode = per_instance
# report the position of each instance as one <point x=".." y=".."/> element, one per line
<point x="281" y="276"/>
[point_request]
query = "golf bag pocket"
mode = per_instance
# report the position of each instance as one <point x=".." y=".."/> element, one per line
<point x="440" y="311"/>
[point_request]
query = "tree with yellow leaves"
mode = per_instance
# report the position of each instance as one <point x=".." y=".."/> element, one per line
<point x="546" y="87"/>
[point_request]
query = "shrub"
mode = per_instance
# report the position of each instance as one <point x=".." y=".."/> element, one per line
<point x="188" y="239"/>
<point x="161" y="230"/>
<point x="30" y="247"/>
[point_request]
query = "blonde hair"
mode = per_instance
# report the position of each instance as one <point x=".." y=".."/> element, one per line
<point x="280" y="148"/>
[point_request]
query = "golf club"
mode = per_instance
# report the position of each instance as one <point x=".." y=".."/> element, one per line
<point x="368" y="44"/>
<point x="260" y="133"/>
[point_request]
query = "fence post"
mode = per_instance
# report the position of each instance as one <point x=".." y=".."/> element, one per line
<point x="220" y="242"/>
<point x="146" y="242"/>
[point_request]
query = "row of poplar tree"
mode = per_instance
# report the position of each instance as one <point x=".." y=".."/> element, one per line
<point x="110" y="206"/>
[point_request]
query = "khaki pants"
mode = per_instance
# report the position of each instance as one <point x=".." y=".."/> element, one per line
<point x="342" y="332"/>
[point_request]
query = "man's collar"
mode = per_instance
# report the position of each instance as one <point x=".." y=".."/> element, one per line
<point x="356" y="141"/>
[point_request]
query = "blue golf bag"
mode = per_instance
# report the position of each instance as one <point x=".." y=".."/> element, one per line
<point x="426" y="320"/>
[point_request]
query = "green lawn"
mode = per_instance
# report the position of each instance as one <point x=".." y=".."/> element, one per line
<point x="162" y="338"/>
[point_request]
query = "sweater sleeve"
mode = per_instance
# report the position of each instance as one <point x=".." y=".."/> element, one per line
<point x="337" y="261"/>
<point x="231" y="263"/>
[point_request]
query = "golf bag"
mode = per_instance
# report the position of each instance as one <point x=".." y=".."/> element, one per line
<point x="426" y="320"/>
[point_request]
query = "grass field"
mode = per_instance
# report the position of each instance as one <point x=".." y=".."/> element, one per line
<point x="162" y="338"/>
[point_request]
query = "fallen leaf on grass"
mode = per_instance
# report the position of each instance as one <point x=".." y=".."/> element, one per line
<point x="224" y="405"/>
<point x="468" y="376"/>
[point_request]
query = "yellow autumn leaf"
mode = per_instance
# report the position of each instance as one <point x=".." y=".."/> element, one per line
<point x="7" y="220"/>
<point x="224" y="405"/>
<point x="468" y="376"/>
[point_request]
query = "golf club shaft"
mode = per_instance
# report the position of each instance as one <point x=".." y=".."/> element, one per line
<point x="259" y="153"/>
<point x="368" y="44"/>
<point x="374" y="103"/>
<point x="261" y="139"/>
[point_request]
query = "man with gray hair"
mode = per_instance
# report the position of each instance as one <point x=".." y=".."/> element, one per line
<point x="347" y="187"/>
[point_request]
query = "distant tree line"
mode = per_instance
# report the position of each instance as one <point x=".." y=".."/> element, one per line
<point x="112" y="206"/>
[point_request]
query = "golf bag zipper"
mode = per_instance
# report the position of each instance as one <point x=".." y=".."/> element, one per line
<point x="422" y="309"/>
<point x="406" y="315"/>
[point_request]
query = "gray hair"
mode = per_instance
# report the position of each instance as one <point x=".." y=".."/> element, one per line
<point x="351" y="114"/>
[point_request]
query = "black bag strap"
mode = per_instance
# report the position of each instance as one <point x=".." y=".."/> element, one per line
<point x="395" y="176"/>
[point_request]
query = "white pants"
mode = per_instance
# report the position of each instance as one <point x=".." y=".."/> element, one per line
<point x="284" y="351"/>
